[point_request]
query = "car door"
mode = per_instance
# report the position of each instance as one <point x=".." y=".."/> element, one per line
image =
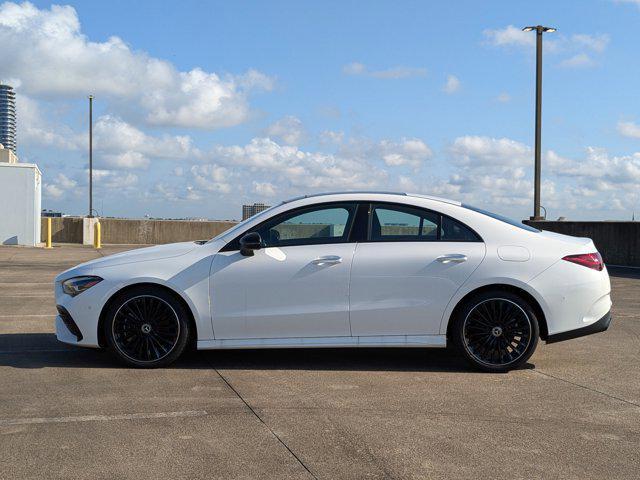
<point x="297" y="285"/>
<point x="404" y="275"/>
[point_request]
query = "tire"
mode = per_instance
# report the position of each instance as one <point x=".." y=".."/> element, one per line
<point x="496" y="331"/>
<point x="146" y="327"/>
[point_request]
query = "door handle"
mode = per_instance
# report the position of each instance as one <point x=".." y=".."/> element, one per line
<point x="327" y="260"/>
<point x="452" y="258"/>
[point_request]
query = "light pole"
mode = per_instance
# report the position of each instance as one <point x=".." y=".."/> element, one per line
<point x="90" y="156"/>
<point x="539" y="29"/>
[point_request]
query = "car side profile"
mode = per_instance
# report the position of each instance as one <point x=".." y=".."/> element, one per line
<point x="355" y="269"/>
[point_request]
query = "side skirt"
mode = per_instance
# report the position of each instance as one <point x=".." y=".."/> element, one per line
<point x="432" y="341"/>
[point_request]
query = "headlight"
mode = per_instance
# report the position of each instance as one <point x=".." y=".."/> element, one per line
<point x="76" y="285"/>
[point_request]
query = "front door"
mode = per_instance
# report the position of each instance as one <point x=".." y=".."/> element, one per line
<point x="411" y="266"/>
<point x="296" y="286"/>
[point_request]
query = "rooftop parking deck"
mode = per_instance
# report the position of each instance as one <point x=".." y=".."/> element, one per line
<point x="67" y="412"/>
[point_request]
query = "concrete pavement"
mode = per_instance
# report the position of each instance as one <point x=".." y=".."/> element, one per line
<point x="67" y="412"/>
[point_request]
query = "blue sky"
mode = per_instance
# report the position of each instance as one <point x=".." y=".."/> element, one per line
<point x="203" y="106"/>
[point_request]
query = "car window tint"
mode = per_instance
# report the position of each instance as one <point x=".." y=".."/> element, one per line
<point x="454" y="231"/>
<point x="399" y="223"/>
<point x="323" y="225"/>
<point x="502" y="218"/>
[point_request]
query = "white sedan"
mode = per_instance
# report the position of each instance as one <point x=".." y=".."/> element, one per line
<point x="343" y="270"/>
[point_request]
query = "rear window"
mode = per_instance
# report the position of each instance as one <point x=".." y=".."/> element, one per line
<point x="502" y="218"/>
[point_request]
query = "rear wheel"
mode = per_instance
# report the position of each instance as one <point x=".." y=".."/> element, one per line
<point x="496" y="331"/>
<point x="146" y="327"/>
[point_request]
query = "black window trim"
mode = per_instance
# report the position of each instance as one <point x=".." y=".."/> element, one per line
<point x="234" y="244"/>
<point x="440" y="215"/>
<point x="355" y="234"/>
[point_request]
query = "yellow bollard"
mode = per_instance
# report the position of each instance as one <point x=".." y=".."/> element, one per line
<point x="96" y="236"/>
<point x="48" y="244"/>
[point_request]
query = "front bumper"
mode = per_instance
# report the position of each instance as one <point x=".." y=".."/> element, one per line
<point x="597" y="327"/>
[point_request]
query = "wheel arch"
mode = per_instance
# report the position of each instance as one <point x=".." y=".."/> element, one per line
<point x="191" y="318"/>
<point x="521" y="292"/>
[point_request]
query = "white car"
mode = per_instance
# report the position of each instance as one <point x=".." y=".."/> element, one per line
<point x="343" y="270"/>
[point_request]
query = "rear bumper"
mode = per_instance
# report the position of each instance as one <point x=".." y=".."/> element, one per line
<point x="597" y="327"/>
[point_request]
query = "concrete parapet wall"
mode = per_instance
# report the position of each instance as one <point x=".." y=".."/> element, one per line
<point x="617" y="242"/>
<point x="127" y="231"/>
<point x="63" y="229"/>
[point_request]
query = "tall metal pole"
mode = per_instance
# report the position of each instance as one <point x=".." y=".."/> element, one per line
<point x="538" y="141"/>
<point x="539" y="29"/>
<point x="90" y="156"/>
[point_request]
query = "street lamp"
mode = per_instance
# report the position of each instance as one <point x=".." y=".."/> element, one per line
<point x="539" y="29"/>
<point x="90" y="156"/>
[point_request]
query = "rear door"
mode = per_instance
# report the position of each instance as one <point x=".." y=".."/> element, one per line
<point x="404" y="275"/>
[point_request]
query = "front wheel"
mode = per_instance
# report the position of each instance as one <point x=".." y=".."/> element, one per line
<point x="146" y="327"/>
<point x="496" y="331"/>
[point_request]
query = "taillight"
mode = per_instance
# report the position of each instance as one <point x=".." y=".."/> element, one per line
<point x="589" y="260"/>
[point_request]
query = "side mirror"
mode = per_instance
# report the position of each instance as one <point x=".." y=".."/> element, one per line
<point x="250" y="242"/>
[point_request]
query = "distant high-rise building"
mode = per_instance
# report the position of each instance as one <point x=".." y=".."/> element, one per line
<point x="8" y="117"/>
<point x="251" y="210"/>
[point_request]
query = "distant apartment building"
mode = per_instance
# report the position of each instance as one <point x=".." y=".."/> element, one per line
<point x="251" y="210"/>
<point x="8" y="117"/>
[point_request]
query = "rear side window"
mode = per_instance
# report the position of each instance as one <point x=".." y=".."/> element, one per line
<point x="502" y="218"/>
<point x="454" y="231"/>
<point x="391" y="223"/>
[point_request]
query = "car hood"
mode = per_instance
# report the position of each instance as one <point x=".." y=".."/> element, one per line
<point x="158" y="252"/>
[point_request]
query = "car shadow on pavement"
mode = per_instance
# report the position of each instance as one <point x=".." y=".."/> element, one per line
<point x="42" y="350"/>
<point x="624" y="272"/>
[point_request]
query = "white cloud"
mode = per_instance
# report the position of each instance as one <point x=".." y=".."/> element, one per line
<point x="112" y="179"/>
<point x="635" y="2"/>
<point x="66" y="182"/>
<point x="489" y="152"/>
<point x="288" y="129"/>
<point x="596" y="43"/>
<point x="629" y="129"/>
<point x="412" y="152"/>
<point x="264" y="189"/>
<point x="53" y="191"/>
<point x="578" y="60"/>
<point x="59" y="186"/>
<point x="126" y="160"/>
<point x="212" y="177"/>
<point x="36" y="128"/>
<point x="510" y="36"/>
<point x="296" y="169"/>
<point x="578" y="49"/>
<point x="407" y="184"/>
<point x="452" y="85"/>
<point x="392" y="73"/>
<point x="47" y="52"/>
<point x="331" y="137"/>
<point x="114" y="135"/>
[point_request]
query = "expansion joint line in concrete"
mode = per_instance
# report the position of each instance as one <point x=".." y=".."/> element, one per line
<point x="586" y="388"/>
<point x="224" y="379"/>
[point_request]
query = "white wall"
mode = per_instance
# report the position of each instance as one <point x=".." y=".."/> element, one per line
<point x="20" y="190"/>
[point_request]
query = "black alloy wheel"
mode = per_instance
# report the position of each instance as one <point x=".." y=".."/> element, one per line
<point x="147" y="327"/>
<point x="497" y="331"/>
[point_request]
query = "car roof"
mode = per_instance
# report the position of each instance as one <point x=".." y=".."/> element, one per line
<point x="375" y="192"/>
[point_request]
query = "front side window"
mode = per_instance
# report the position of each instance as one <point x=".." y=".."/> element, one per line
<point x="328" y="224"/>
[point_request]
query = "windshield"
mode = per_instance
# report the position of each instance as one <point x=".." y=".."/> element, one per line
<point x="502" y="218"/>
